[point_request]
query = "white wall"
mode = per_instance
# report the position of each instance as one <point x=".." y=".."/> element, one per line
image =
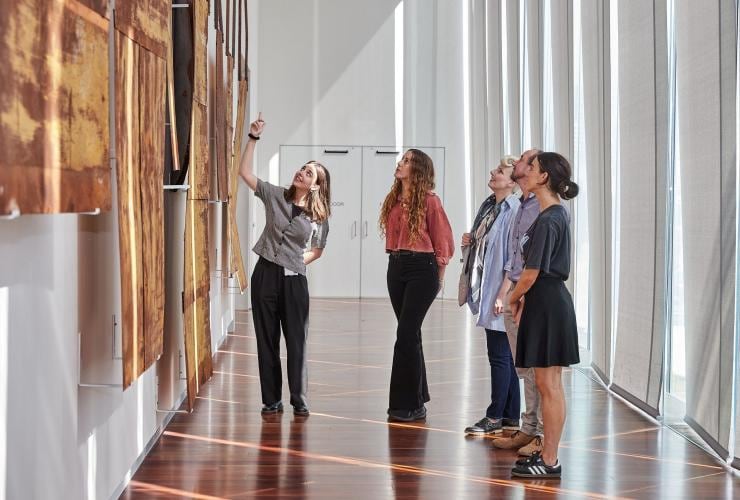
<point x="324" y="74"/>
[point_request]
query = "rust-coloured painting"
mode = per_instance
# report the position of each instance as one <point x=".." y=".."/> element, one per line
<point x="236" y="266"/>
<point x="146" y="22"/>
<point x="54" y="132"/>
<point x="229" y="116"/>
<point x="200" y="50"/>
<point x="129" y="208"/>
<point x="140" y="118"/>
<point x="172" y="111"/>
<point x="152" y="71"/>
<point x="196" y="299"/>
<point x="219" y="116"/>
<point x="199" y="172"/>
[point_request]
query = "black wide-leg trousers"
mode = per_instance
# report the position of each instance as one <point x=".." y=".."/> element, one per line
<point x="412" y="285"/>
<point x="280" y="301"/>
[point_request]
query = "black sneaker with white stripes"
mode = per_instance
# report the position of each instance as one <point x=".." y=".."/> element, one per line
<point x="535" y="467"/>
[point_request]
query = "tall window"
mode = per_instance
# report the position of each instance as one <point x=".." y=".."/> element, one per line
<point x="581" y="233"/>
<point x="676" y="369"/>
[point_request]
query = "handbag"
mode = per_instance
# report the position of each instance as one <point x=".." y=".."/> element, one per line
<point x="463" y="284"/>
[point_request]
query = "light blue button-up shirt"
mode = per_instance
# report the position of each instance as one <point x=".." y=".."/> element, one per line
<point x="496" y="256"/>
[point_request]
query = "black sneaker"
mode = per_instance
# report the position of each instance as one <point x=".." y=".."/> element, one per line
<point x="273" y="408"/>
<point x="510" y="423"/>
<point x="485" y="426"/>
<point x="535" y="467"/>
<point x="301" y="411"/>
<point x="407" y="415"/>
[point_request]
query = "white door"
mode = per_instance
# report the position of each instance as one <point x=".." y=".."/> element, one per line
<point x="378" y="166"/>
<point x="337" y="272"/>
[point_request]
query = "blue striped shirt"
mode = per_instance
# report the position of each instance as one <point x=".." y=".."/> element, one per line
<point x="497" y="254"/>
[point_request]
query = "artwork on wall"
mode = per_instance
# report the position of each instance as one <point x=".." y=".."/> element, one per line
<point x="236" y="265"/>
<point x="54" y="132"/>
<point x="236" y="262"/>
<point x="172" y="153"/>
<point x="182" y="46"/>
<point x="147" y="23"/>
<point x="196" y="299"/>
<point x="196" y="296"/>
<point x="140" y="119"/>
<point x="200" y="50"/>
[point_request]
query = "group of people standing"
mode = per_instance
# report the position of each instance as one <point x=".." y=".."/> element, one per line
<point x="516" y="259"/>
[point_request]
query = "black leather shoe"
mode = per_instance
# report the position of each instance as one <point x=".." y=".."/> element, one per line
<point x="301" y="411"/>
<point x="407" y="415"/>
<point x="273" y="408"/>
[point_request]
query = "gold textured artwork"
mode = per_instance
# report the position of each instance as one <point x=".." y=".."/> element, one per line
<point x="196" y="299"/>
<point x="54" y="132"/>
<point x="196" y="296"/>
<point x="200" y="50"/>
<point x="140" y="112"/>
<point x="146" y="22"/>
<point x="236" y="266"/>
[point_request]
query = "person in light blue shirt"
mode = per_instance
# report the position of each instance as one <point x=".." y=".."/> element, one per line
<point x="488" y="253"/>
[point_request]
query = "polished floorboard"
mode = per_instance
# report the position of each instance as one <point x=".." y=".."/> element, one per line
<point x="346" y="449"/>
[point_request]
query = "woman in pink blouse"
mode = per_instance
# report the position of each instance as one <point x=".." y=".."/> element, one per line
<point x="419" y="240"/>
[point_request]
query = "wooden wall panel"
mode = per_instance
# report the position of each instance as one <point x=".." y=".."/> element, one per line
<point x="100" y="7"/>
<point x="54" y="132"/>
<point x="229" y="118"/>
<point x="222" y="174"/>
<point x="200" y="50"/>
<point x="199" y="172"/>
<point x="196" y="298"/>
<point x="146" y="22"/>
<point x="152" y="91"/>
<point x="140" y="129"/>
<point x="182" y="32"/>
<point x="129" y="207"/>
<point x="236" y="266"/>
<point x="172" y="115"/>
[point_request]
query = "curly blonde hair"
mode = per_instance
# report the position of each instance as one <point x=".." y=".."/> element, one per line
<point x="422" y="181"/>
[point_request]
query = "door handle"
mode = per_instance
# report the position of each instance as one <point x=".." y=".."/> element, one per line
<point x="365" y="229"/>
<point x="354" y="230"/>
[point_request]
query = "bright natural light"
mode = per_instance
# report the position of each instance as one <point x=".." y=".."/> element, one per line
<point x="582" y="267"/>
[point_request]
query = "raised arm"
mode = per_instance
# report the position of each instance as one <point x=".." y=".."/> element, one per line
<point x="246" y="166"/>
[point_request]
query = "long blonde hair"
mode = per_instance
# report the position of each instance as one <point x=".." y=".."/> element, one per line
<point x="422" y="181"/>
<point x="318" y="201"/>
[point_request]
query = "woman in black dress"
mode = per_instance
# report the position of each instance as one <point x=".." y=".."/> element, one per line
<point x="548" y="336"/>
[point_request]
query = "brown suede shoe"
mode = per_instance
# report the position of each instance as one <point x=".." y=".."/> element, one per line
<point x="535" y="446"/>
<point x="513" y="442"/>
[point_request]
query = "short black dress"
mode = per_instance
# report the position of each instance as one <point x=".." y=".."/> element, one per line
<point x="548" y="334"/>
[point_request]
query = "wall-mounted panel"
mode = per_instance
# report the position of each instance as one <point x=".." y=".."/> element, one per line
<point x="140" y="131"/>
<point x="146" y="22"/>
<point x="54" y="132"/>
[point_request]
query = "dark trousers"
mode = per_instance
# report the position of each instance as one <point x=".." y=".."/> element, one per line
<point x="412" y="285"/>
<point x="279" y="300"/>
<point x="504" y="380"/>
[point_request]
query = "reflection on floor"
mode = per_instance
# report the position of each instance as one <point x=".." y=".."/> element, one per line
<point x="345" y="448"/>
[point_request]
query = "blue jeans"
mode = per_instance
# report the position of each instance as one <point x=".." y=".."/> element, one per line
<point x="504" y="380"/>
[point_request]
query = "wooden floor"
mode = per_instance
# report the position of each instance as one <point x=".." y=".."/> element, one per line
<point x="346" y="449"/>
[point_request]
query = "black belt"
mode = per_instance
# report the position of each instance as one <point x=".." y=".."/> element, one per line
<point x="407" y="253"/>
